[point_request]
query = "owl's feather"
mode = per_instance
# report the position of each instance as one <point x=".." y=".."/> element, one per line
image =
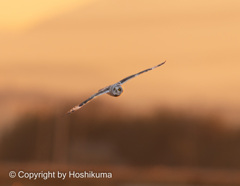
<point x="134" y="75"/>
<point x="108" y="89"/>
<point x="100" y="92"/>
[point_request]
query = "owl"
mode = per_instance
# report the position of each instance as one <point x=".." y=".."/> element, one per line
<point x="112" y="90"/>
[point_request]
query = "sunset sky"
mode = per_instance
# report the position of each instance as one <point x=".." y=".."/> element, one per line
<point x="16" y="15"/>
<point x="73" y="48"/>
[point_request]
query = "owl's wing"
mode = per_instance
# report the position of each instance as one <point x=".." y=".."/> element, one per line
<point x="100" y="92"/>
<point x="134" y="75"/>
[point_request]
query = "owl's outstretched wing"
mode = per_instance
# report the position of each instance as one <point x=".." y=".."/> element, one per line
<point x="100" y="92"/>
<point x="134" y="75"/>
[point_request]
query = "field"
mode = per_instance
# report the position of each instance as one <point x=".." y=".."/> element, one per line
<point x="167" y="148"/>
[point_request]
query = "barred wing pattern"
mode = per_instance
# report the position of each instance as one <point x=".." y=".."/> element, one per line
<point x="134" y="75"/>
<point x="110" y="89"/>
<point x="100" y="92"/>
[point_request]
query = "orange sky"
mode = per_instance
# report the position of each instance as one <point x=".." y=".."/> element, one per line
<point x="16" y="15"/>
<point x="74" y="48"/>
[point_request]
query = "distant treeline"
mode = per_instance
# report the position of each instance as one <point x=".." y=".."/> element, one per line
<point x="86" y="137"/>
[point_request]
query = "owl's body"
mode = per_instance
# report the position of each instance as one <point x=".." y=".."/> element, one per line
<point x="113" y="90"/>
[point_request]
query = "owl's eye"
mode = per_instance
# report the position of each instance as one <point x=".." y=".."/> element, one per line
<point x="119" y="89"/>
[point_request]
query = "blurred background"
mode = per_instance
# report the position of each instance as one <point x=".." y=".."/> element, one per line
<point x="176" y="125"/>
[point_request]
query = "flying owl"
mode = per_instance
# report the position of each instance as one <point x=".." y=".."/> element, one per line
<point x="113" y="90"/>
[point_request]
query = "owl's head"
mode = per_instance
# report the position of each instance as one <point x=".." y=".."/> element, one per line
<point x="116" y="90"/>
